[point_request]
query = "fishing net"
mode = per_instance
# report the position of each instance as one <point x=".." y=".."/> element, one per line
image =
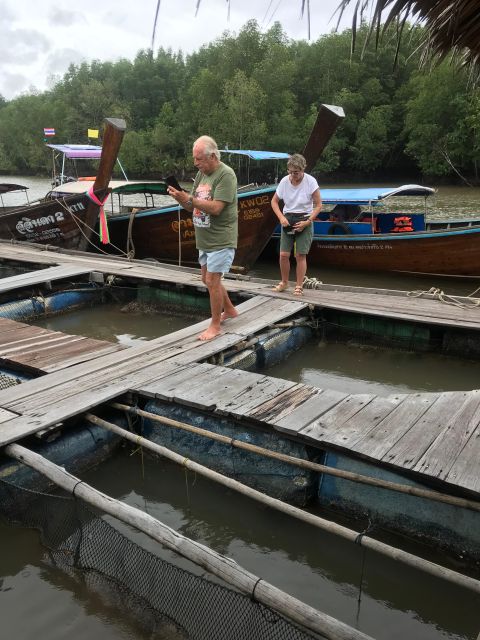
<point x="169" y="602"/>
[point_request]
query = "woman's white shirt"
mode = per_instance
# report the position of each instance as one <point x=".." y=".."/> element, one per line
<point x="297" y="198"/>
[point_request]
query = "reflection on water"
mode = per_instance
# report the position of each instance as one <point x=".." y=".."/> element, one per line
<point x="116" y="323"/>
<point x="351" y="368"/>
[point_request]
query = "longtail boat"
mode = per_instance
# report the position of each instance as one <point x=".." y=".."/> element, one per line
<point x="166" y="233"/>
<point x="67" y="221"/>
<point x="370" y="229"/>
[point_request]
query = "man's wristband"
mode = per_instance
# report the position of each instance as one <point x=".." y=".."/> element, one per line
<point x="189" y="202"/>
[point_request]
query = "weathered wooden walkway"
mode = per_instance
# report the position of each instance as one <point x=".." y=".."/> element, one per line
<point x="40" y="350"/>
<point x="374" y="302"/>
<point x="435" y="435"/>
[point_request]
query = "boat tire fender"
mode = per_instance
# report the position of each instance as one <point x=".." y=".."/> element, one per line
<point x="339" y="228"/>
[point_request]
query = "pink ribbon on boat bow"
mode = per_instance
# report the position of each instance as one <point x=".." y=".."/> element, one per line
<point x="104" y="235"/>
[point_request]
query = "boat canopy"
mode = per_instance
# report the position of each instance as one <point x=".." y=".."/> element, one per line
<point x="258" y="155"/>
<point x="78" y="151"/>
<point x="372" y="195"/>
<point x="115" y="186"/>
<point x="6" y="187"/>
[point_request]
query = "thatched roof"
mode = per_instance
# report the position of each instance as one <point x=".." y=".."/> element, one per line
<point x="452" y="25"/>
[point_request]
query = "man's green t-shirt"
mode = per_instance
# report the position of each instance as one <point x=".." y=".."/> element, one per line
<point x="213" y="233"/>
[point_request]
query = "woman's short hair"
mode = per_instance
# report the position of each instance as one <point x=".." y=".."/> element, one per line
<point x="297" y="161"/>
<point x="209" y="146"/>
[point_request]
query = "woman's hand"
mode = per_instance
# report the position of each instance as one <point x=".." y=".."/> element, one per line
<point x="300" y="226"/>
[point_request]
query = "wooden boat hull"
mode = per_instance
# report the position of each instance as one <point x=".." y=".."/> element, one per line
<point x="454" y="252"/>
<point x="167" y="234"/>
<point x="55" y="222"/>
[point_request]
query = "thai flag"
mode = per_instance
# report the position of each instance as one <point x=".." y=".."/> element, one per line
<point x="48" y="131"/>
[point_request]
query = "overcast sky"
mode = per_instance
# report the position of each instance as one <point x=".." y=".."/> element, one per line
<point x="40" y="38"/>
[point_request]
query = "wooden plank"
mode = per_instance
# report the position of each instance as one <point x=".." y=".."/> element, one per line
<point x="283" y="404"/>
<point x="5" y="415"/>
<point x="50" y="367"/>
<point x="362" y="422"/>
<point x="44" y="343"/>
<point x="455" y="435"/>
<point x="271" y="312"/>
<point x="32" y="278"/>
<point x="21" y="335"/>
<point x="379" y="440"/>
<point x="65" y="408"/>
<point x="407" y="451"/>
<point x="334" y="417"/>
<point x="262" y="389"/>
<point x="304" y="414"/>
<point x="464" y="470"/>
<point x="190" y="392"/>
<point x="164" y="389"/>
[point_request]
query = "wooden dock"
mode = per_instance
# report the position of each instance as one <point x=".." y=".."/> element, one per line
<point x="430" y="435"/>
<point x="38" y="350"/>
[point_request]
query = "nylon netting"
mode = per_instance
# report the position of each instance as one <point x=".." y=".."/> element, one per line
<point x="169" y="602"/>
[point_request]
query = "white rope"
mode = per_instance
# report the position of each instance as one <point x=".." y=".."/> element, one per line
<point x="441" y="296"/>
<point x="311" y="283"/>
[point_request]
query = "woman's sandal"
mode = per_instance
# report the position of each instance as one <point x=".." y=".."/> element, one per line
<point x="298" y="291"/>
<point x="281" y="286"/>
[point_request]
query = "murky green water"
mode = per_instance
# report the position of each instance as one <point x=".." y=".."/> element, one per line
<point x="396" y="603"/>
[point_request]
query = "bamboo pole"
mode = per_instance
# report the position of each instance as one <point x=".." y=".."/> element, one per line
<point x="332" y="527"/>
<point x="305" y="464"/>
<point x="225" y="568"/>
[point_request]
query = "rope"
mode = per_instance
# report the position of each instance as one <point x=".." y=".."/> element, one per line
<point x="130" y="245"/>
<point x="441" y="296"/>
<point x="102" y="218"/>
<point x="78" y="221"/>
<point x="311" y="283"/>
<point x="179" y="238"/>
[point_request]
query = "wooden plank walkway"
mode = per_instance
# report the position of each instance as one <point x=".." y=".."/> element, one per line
<point x="429" y="434"/>
<point x="41" y="276"/>
<point x="52" y="398"/>
<point x="44" y="351"/>
<point x="374" y="302"/>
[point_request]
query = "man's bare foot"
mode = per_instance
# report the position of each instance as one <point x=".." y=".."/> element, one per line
<point x="228" y="314"/>
<point x="208" y="334"/>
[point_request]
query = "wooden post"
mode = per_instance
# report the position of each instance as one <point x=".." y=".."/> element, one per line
<point x="328" y="119"/>
<point x="225" y="568"/>
<point x="112" y="140"/>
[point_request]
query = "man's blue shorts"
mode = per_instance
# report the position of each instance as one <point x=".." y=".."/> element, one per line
<point x="217" y="261"/>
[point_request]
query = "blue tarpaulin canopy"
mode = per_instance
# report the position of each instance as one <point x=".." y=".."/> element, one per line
<point x="371" y="195"/>
<point x="258" y="155"/>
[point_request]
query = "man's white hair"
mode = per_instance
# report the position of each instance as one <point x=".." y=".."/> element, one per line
<point x="209" y="146"/>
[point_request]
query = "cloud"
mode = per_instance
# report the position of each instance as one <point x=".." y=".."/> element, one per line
<point x="60" y="59"/>
<point x="41" y="39"/>
<point x="13" y="83"/>
<point x="62" y="18"/>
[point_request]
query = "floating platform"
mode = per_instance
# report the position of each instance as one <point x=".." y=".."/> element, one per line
<point x="425" y="439"/>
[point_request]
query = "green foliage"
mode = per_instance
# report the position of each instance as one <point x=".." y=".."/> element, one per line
<point x="258" y="90"/>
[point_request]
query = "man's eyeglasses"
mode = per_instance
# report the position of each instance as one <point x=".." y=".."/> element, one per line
<point x="294" y="173"/>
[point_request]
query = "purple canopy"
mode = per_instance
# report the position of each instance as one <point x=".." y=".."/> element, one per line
<point x="78" y="151"/>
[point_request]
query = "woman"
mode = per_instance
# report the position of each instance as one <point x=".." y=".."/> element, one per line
<point x="302" y="204"/>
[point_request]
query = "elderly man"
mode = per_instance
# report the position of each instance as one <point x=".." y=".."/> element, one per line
<point x="213" y="202"/>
